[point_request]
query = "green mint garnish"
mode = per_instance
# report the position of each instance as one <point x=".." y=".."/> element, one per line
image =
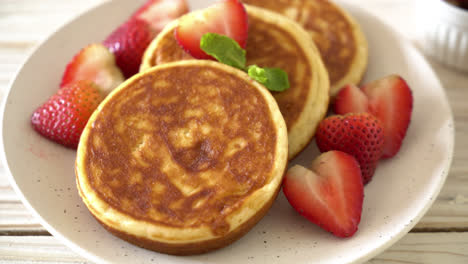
<point x="274" y="79"/>
<point x="228" y="51"/>
<point x="224" y="49"/>
<point x="258" y="74"/>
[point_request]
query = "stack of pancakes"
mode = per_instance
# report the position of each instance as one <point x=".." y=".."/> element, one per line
<point x="274" y="41"/>
<point x="189" y="155"/>
<point x="339" y="38"/>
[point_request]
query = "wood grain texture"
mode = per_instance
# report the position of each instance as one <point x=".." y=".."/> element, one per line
<point x="425" y="248"/>
<point x="45" y="249"/>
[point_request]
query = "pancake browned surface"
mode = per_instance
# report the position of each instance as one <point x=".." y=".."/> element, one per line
<point x="337" y="35"/>
<point x="274" y="41"/>
<point x="184" y="158"/>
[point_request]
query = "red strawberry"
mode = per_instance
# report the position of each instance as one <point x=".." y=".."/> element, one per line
<point x="227" y="18"/>
<point x="360" y="135"/>
<point x="390" y="100"/>
<point x="128" y="43"/>
<point x="158" y="13"/>
<point x="94" y="63"/>
<point x="351" y="99"/>
<point x="63" y="117"/>
<point x="330" y="194"/>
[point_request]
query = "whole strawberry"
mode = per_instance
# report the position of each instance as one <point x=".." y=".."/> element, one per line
<point x="128" y="43"/>
<point x="63" y="117"/>
<point x="360" y="135"/>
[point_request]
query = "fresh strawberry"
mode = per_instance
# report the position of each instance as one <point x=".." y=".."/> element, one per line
<point x="351" y="99"/>
<point x="63" y="117"/>
<point x="227" y="18"/>
<point x="128" y="43"/>
<point x="390" y="99"/>
<point x="94" y="63"/>
<point x="330" y="194"/>
<point x="158" y="13"/>
<point x="360" y="135"/>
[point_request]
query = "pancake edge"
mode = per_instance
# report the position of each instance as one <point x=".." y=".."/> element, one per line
<point x="148" y="56"/>
<point x="172" y="240"/>
<point x="318" y="98"/>
<point x="359" y="65"/>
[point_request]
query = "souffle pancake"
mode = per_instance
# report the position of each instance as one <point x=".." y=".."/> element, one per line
<point x="336" y="33"/>
<point x="273" y="41"/>
<point x="183" y="158"/>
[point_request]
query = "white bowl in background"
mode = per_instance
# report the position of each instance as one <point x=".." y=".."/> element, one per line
<point x="444" y="29"/>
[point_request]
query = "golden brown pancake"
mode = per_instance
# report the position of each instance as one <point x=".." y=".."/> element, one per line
<point x="274" y="41"/>
<point x="337" y="35"/>
<point x="184" y="158"/>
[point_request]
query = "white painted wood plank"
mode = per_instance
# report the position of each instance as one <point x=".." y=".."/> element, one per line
<point x="32" y="6"/>
<point x="17" y="17"/>
<point x="36" y="249"/>
<point x="427" y="248"/>
<point x="7" y="193"/>
<point x="15" y="218"/>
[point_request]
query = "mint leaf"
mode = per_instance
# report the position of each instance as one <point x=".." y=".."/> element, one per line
<point x="224" y="49"/>
<point x="257" y="74"/>
<point x="274" y="79"/>
<point x="228" y="51"/>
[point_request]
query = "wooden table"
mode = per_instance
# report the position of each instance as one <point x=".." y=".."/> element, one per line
<point x="440" y="237"/>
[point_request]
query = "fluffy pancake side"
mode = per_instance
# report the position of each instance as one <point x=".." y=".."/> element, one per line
<point x="336" y="33"/>
<point x="274" y="41"/>
<point x="184" y="158"/>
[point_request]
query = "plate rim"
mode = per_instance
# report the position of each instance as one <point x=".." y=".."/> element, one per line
<point x="3" y="157"/>
<point x="448" y="161"/>
<point x="342" y="4"/>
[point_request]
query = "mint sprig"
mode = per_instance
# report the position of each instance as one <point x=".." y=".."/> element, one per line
<point x="224" y="49"/>
<point x="228" y="51"/>
<point x="275" y="79"/>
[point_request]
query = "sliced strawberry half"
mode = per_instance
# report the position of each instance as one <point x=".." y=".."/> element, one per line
<point x="390" y="99"/>
<point x="128" y="43"/>
<point x="351" y="99"/>
<point x="94" y="63"/>
<point x="330" y="194"/>
<point x="227" y="18"/>
<point x="158" y="13"/>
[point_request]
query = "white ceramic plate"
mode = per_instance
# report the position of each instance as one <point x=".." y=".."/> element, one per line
<point x="402" y="190"/>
